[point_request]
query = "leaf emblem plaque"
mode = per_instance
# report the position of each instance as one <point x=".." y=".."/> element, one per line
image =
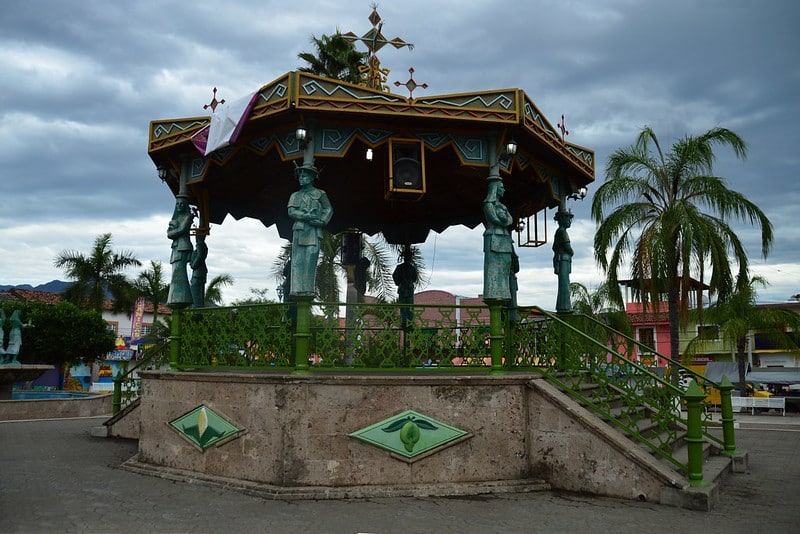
<point x="410" y="435"/>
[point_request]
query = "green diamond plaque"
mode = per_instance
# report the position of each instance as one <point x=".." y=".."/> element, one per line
<point x="410" y="435"/>
<point x="204" y="428"/>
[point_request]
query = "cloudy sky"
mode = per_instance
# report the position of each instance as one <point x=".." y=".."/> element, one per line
<point x="81" y="79"/>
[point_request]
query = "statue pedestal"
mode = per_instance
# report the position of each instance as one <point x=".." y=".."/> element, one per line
<point x="17" y="372"/>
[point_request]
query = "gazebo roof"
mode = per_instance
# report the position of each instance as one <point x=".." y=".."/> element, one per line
<point x="459" y="136"/>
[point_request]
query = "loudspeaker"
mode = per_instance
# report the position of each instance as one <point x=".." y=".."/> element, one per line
<point x="407" y="166"/>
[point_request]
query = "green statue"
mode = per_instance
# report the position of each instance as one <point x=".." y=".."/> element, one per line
<point x="562" y="260"/>
<point x="199" y="272"/>
<point x="10" y="353"/>
<point x="178" y="231"/>
<point x="405" y="277"/>
<point x="311" y="211"/>
<point x="497" y="244"/>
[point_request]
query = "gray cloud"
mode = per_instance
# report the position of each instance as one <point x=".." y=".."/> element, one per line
<point x="83" y="79"/>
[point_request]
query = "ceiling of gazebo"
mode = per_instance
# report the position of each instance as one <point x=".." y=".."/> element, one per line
<point x="253" y="177"/>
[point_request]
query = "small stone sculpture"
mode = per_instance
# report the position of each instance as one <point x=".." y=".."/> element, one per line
<point x="10" y="353"/>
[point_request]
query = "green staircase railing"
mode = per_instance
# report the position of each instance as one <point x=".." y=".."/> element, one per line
<point x="127" y="385"/>
<point x="587" y="359"/>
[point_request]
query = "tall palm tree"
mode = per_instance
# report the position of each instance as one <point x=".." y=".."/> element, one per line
<point x="334" y="57"/>
<point x="214" y="289"/>
<point x="738" y="316"/>
<point x="150" y="285"/>
<point x="100" y="271"/>
<point x="669" y="216"/>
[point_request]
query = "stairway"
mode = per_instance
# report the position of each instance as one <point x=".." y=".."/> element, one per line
<point x="643" y="427"/>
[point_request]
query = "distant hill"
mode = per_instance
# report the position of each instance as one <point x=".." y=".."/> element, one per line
<point x="54" y="286"/>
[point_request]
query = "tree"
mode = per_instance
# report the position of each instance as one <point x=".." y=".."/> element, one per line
<point x="330" y="268"/>
<point x="62" y="334"/>
<point x="151" y="286"/>
<point x="600" y="304"/>
<point x="214" y="289"/>
<point x="257" y="296"/>
<point x="738" y="316"/>
<point x="334" y="57"/>
<point x="669" y="216"/>
<point x="99" y="272"/>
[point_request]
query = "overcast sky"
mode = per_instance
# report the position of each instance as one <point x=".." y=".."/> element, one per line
<point x="81" y="79"/>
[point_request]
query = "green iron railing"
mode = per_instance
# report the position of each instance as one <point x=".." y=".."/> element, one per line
<point x="585" y="357"/>
<point x="127" y="384"/>
<point x="371" y="336"/>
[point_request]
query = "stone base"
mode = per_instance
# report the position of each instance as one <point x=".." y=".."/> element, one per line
<point x="268" y="491"/>
<point x="18" y="372"/>
<point x="295" y="439"/>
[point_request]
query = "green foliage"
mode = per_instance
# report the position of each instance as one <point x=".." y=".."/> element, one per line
<point x="61" y="333"/>
<point x="668" y="217"/>
<point x="214" y="289"/>
<point x="100" y="271"/>
<point x="334" y="57"/>
<point x="738" y="315"/>
<point x="151" y="286"/>
<point x="257" y="296"/>
<point x="601" y="304"/>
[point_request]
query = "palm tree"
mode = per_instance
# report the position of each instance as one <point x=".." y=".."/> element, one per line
<point x="600" y="304"/>
<point x="335" y="57"/>
<point x="738" y="316"/>
<point x="98" y="273"/>
<point x="150" y="285"/>
<point x="330" y="268"/>
<point x="214" y="289"/>
<point x="669" y="216"/>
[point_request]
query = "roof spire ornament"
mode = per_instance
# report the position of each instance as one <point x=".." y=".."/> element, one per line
<point x="214" y="102"/>
<point x="374" y="76"/>
<point x="563" y="127"/>
<point x="411" y="84"/>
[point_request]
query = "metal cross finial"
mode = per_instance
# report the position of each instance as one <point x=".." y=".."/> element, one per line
<point x="375" y="40"/>
<point x="563" y="127"/>
<point x="214" y="102"/>
<point x="411" y="84"/>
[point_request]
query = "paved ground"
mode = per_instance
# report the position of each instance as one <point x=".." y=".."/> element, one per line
<point x="55" y="477"/>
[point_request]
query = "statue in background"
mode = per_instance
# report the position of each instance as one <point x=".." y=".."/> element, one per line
<point x="405" y="277"/>
<point x="562" y="260"/>
<point x="311" y="211"/>
<point x="498" y="246"/>
<point x="10" y="353"/>
<point x="178" y="231"/>
<point x="199" y="271"/>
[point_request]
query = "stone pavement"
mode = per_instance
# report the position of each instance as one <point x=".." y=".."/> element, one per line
<point x="56" y="477"/>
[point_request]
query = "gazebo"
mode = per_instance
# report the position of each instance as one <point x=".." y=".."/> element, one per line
<point x="397" y="399"/>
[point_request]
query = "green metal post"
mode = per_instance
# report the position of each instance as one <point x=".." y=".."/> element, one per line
<point x="694" y="398"/>
<point x="116" y="400"/>
<point x="728" y="434"/>
<point x="175" y="336"/>
<point x="496" y="333"/>
<point x="302" y="336"/>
